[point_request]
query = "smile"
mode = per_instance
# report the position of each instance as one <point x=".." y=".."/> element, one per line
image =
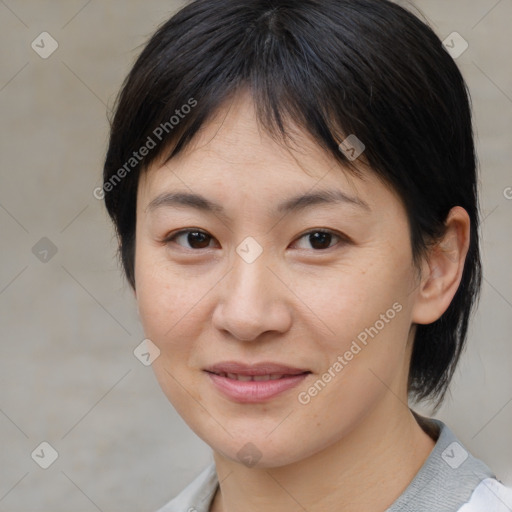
<point x="246" y="378"/>
<point x="251" y="389"/>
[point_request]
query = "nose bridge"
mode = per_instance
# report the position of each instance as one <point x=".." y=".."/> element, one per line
<point x="250" y="302"/>
<point x="248" y="282"/>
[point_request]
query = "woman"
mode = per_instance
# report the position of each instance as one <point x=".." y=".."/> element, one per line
<point x="293" y="185"/>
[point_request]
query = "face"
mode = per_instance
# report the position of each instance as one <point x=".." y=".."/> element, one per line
<point x="280" y="294"/>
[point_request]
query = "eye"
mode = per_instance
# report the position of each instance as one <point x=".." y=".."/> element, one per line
<point x="320" y="239"/>
<point x="195" y="238"/>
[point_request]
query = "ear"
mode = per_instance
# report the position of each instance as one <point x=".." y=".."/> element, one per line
<point x="442" y="269"/>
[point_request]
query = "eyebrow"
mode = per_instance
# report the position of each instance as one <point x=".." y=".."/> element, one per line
<point x="293" y="204"/>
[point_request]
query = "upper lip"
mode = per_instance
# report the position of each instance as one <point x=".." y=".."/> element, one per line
<point x="263" y="368"/>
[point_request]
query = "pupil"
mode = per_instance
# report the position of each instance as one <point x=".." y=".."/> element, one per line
<point x="322" y="239"/>
<point x="198" y="240"/>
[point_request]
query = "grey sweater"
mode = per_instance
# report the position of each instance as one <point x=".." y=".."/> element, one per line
<point x="450" y="480"/>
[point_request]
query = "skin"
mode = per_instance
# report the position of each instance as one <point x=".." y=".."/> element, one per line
<point x="356" y="444"/>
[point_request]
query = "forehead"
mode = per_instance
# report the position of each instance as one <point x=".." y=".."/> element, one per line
<point x="231" y="153"/>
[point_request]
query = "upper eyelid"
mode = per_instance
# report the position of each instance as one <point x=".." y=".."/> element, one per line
<point x="174" y="234"/>
<point x="321" y="230"/>
<point x="186" y="230"/>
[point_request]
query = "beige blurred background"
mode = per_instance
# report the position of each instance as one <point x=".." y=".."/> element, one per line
<point x="68" y="321"/>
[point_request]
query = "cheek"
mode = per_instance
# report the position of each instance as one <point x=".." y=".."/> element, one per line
<point x="366" y="358"/>
<point x="163" y="292"/>
<point x="365" y="309"/>
<point x="169" y="307"/>
<point x="357" y="297"/>
<point x="165" y="301"/>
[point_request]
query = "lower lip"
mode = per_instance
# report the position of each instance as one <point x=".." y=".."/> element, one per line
<point x="252" y="391"/>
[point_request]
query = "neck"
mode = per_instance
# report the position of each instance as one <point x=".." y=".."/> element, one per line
<point x="367" y="469"/>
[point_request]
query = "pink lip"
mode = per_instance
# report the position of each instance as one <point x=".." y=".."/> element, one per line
<point x="254" y="391"/>
<point x="263" y="368"/>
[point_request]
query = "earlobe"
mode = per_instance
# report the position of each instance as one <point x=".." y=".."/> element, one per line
<point x="442" y="269"/>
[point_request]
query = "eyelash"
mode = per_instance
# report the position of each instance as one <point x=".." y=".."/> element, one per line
<point x="342" y="238"/>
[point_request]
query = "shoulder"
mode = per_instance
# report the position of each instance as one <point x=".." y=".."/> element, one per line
<point x="197" y="496"/>
<point x="490" y="495"/>
<point x="452" y="480"/>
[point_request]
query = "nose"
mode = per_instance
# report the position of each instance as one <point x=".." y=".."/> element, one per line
<point x="251" y="301"/>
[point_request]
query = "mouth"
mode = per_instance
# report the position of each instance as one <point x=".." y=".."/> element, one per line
<point x="258" y="378"/>
<point x="254" y="383"/>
